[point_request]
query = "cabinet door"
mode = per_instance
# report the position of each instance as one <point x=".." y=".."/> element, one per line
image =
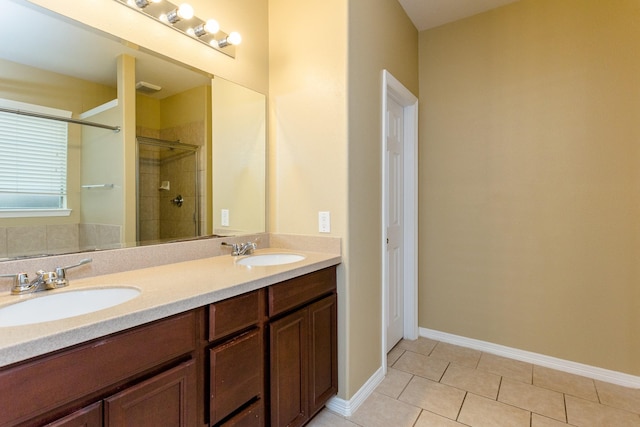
<point x="165" y="400"/>
<point x="288" y="353"/>
<point x="323" y="354"/>
<point x="91" y="416"/>
<point x="236" y="374"/>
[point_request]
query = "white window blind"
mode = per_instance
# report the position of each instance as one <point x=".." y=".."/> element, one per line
<point x="33" y="159"/>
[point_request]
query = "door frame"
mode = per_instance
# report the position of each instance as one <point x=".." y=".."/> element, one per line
<point x="391" y="87"/>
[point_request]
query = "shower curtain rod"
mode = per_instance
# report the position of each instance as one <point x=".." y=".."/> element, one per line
<point x="60" y="119"/>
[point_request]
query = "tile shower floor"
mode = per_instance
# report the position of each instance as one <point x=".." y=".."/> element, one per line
<point x="430" y="383"/>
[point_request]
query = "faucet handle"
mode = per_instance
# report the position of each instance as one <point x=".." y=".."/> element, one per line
<point x="235" y="248"/>
<point x="61" y="272"/>
<point x="19" y="279"/>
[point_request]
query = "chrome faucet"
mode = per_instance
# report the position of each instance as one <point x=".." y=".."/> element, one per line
<point x="43" y="281"/>
<point x="238" y="249"/>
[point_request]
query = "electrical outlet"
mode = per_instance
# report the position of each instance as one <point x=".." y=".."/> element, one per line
<point x="224" y="217"/>
<point x="324" y="222"/>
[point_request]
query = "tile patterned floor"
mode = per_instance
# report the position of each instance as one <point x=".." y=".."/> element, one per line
<point x="430" y="383"/>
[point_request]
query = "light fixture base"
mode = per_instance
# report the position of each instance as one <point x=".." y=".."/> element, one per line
<point x="164" y="10"/>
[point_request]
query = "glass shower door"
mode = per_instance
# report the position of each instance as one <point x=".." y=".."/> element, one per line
<point x="167" y="190"/>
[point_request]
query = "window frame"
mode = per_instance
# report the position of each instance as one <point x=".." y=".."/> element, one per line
<point x="46" y="211"/>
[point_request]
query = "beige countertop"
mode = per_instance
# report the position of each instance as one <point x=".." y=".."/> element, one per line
<point x="165" y="290"/>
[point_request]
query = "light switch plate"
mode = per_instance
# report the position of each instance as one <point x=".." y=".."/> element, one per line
<point x="324" y="222"/>
<point x="224" y="217"/>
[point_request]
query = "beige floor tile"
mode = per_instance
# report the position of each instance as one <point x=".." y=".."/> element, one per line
<point x="382" y="411"/>
<point x="421" y="345"/>
<point x="564" y="382"/>
<point x="479" y="411"/>
<point x="429" y="419"/>
<point x="421" y="365"/>
<point x="514" y="369"/>
<point x="583" y="413"/>
<point x="326" y="418"/>
<point x="394" y="383"/>
<point x="435" y="397"/>
<point x="540" y="421"/>
<point x="619" y="397"/>
<point x="535" y="399"/>
<point x="473" y="380"/>
<point x="456" y="354"/>
<point x="394" y="355"/>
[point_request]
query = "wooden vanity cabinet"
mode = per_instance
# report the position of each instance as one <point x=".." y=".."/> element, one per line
<point x="147" y="369"/>
<point x="266" y="357"/>
<point x="302" y="347"/>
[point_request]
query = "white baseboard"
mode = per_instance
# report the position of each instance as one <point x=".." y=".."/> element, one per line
<point x="593" y="372"/>
<point x="347" y="407"/>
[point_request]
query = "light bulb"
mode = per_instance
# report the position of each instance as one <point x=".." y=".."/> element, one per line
<point x="234" y="38"/>
<point x="212" y="26"/>
<point x="185" y="11"/>
<point x="209" y="27"/>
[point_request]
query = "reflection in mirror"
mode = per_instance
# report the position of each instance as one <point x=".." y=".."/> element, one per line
<point x="180" y="167"/>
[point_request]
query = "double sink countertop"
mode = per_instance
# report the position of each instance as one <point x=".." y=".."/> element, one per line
<point x="165" y="290"/>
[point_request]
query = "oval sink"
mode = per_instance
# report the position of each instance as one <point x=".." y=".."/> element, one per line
<point x="270" y="259"/>
<point x="62" y="305"/>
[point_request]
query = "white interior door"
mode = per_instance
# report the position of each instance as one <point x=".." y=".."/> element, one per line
<point x="394" y="203"/>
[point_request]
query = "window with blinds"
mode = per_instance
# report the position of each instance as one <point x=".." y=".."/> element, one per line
<point x="33" y="159"/>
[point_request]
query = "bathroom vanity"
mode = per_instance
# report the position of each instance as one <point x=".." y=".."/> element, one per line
<point x="262" y="351"/>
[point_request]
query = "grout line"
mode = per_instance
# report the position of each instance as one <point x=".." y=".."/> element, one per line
<point x="499" y="389"/>
<point x="461" y="405"/>
<point x="444" y="372"/>
<point x="597" y="393"/>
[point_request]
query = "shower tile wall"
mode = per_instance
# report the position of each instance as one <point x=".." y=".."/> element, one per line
<point x="148" y="193"/>
<point x="158" y="217"/>
<point x="179" y="222"/>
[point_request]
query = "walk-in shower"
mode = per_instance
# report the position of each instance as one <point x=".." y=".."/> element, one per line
<point x="167" y="190"/>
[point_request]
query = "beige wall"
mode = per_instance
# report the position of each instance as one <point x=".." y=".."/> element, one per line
<point x="239" y="158"/>
<point x="529" y="189"/>
<point x="308" y="128"/>
<point x="325" y="122"/>
<point x="381" y="36"/>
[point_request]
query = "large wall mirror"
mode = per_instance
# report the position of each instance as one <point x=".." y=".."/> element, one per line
<point x="187" y="159"/>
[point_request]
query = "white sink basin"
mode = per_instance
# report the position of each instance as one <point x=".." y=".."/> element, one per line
<point x="270" y="259"/>
<point x="45" y="307"/>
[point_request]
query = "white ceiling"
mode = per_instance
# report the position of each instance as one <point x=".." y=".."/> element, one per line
<point x="427" y="14"/>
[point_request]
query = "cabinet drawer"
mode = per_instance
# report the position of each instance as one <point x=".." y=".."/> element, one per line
<point x="300" y="290"/>
<point x="91" y="416"/>
<point x="252" y="416"/>
<point x="53" y="381"/>
<point x="234" y="314"/>
<point x="236" y="374"/>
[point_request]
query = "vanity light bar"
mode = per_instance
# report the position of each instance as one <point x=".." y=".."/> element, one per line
<point x="182" y="19"/>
